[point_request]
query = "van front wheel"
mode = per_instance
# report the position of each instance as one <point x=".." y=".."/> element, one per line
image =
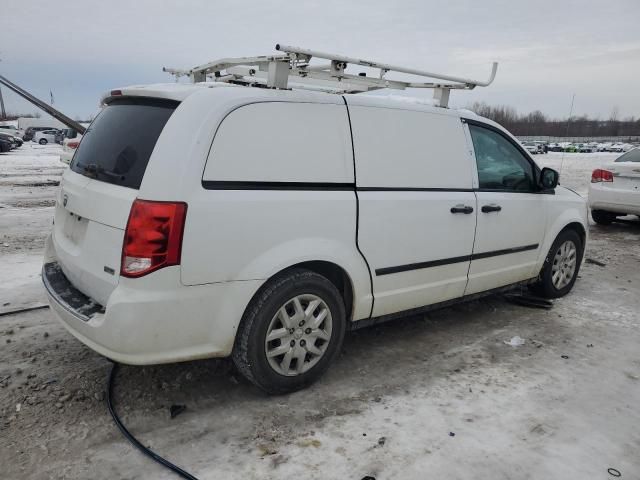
<point x="561" y="266"/>
<point x="291" y="332"/>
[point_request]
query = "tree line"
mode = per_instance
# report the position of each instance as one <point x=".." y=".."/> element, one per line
<point x="537" y="123"/>
<point x="16" y="116"/>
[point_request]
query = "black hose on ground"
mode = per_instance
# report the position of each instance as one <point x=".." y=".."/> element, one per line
<point x="133" y="440"/>
<point x="22" y="310"/>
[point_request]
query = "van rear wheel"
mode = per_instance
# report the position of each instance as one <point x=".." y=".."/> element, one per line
<point x="291" y="332"/>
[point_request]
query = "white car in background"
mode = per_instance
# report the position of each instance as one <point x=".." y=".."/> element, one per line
<point x="69" y="146"/>
<point x="531" y="147"/>
<point x="615" y="188"/>
<point x="616" y="147"/>
<point x="11" y="130"/>
<point x="45" y="136"/>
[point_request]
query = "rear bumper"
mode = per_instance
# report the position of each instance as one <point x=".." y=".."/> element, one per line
<point x="604" y="197"/>
<point x="156" y="320"/>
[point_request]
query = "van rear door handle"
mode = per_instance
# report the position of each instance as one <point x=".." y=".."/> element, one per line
<point x="491" y="208"/>
<point x="466" y="209"/>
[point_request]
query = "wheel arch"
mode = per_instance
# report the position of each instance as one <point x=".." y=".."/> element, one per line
<point x="338" y="276"/>
<point x="579" y="229"/>
<point x="333" y="272"/>
<point x="570" y="219"/>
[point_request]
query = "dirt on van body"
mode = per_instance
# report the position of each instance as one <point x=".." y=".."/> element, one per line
<point x="437" y="396"/>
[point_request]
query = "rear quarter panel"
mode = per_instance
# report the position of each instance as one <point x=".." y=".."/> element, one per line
<point x="247" y="235"/>
<point x="252" y="235"/>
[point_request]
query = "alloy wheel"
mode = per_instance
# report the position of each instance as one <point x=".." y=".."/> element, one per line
<point x="564" y="265"/>
<point x="298" y="335"/>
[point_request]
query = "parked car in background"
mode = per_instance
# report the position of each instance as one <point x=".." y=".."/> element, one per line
<point x="69" y="146"/>
<point x="616" y="147"/>
<point x="45" y="136"/>
<point x="582" y="148"/>
<point x="147" y="261"/>
<point x="593" y="146"/>
<point x="17" y="140"/>
<point x="30" y="132"/>
<point x="542" y="146"/>
<point x="15" y="131"/>
<point x="615" y="188"/>
<point x="531" y="147"/>
<point x="65" y="133"/>
<point x="555" y="147"/>
<point x="13" y="140"/>
<point x="6" y="143"/>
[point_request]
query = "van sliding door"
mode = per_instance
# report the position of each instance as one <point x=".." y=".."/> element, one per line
<point x="417" y="208"/>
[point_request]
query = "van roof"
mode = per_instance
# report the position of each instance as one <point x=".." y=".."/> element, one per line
<point x="180" y="91"/>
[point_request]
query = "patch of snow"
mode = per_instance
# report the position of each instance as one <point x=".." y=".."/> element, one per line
<point x="515" y="341"/>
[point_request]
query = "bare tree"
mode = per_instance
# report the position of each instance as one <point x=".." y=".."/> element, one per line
<point x="536" y="123"/>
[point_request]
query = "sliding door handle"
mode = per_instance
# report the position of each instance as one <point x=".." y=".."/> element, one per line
<point x="466" y="209"/>
<point x="491" y="208"/>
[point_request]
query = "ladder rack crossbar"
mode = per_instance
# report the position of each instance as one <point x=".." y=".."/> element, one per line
<point x="388" y="67"/>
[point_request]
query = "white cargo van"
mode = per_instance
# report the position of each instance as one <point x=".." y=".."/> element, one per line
<point x="214" y="220"/>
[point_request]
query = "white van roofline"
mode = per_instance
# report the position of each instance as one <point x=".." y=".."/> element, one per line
<point x="181" y="91"/>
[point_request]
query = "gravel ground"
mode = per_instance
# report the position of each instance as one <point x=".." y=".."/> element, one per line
<point x="436" y="396"/>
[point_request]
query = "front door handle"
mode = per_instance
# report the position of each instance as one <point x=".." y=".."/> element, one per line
<point x="466" y="209"/>
<point x="491" y="208"/>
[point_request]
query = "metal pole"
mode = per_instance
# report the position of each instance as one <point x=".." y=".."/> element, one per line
<point x="57" y="114"/>
<point x="3" y="112"/>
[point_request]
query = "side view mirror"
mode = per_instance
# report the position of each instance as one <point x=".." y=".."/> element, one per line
<point x="549" y="178"/>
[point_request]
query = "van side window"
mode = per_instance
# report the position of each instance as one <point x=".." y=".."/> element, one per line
<point x="501" y="166"/>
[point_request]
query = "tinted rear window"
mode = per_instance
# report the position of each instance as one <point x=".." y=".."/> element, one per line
<point x="117" y="146"/>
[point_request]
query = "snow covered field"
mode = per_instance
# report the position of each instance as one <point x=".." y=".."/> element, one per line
<point x="29" y="177"/>
<point x="575" y="168"/>
<point x="435" y="396"/>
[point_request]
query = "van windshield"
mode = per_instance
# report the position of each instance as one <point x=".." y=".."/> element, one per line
<point x="117" y="145"/>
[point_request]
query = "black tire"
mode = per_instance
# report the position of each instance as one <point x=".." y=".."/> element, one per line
<point x="249" y="353"/>
<point x="545" y="286"/>
<point x="602" y="217"/>
<point x="43" y="141"/>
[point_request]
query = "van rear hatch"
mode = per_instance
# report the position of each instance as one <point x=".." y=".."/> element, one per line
<point x="98" y="190"/>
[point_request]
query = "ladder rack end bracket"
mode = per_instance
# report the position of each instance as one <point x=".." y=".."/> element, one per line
<point x="494" y="70"/>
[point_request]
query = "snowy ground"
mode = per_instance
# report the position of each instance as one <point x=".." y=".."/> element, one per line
<point x="438" y="396"/>
<point x="29" y="177"/>
<point x="575" y="168"/>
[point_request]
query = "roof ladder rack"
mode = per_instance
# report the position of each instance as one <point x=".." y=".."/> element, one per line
<point x="292" y="68"/>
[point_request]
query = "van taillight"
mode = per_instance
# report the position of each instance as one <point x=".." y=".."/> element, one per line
<point x="600" y="175"/>
<point x="73" y="144"/>
<point x="153" y="238"/>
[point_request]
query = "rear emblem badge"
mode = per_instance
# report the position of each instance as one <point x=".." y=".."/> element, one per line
<point x="65" y="199"/>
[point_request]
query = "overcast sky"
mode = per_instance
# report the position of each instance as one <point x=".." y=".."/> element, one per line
<point x="547" y="50"/>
